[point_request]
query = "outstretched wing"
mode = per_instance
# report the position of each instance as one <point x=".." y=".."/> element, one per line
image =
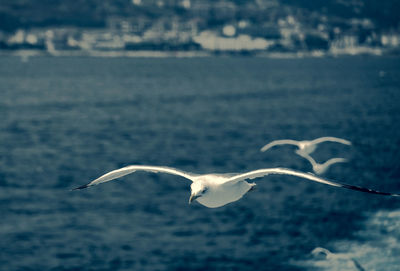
<point x="279" y="142"/>
<point x="285" y="171"/>
<point x="331" y="139"/>
<point x="334" y="161"/>
<point x="130" y="169"/>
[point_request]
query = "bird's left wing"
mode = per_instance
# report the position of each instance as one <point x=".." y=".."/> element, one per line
<point x="334" y="161"/>
<point x="331" y="139"/>
<point x="130" y="169"/>
<point x="285" y="171"/>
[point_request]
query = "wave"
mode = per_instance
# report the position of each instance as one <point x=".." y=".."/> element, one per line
<point x="375" y="247"/>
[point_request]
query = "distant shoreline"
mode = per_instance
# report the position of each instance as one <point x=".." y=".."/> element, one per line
<point x="189" y="54"/>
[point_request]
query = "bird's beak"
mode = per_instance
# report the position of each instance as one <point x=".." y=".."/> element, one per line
<point x="192" y="198"/>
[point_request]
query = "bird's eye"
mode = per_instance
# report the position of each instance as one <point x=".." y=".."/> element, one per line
<point x="204" y="190"/>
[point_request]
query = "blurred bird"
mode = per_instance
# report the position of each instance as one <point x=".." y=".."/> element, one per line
<point x="322" y="168"/>
<point x="336" y="256"/>
<point x="216" y="190"/>
<point x="305" y="147"/>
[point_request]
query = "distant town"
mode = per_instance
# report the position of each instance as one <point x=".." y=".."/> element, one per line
<point x="210" y="28"/>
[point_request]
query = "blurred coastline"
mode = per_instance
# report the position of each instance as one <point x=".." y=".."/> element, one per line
<point x="185" y="28"/>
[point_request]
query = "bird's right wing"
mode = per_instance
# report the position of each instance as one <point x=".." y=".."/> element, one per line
<point x="130" y="169"/>
<point x="285" y="171"/>
<point x="279" y="142"/>
<point x="331" y="139"/>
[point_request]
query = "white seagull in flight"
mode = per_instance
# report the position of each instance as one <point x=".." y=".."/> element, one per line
<point x="306" y="147"/>
<point x="322" y="168"/>
<point x="216" y="190"/>
<point x="337" y="256"/>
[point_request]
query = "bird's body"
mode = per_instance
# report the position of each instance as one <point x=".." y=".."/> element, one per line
<point x="216" y="190"/>
<point x="220" y="191"/>
<point x="305" y="147"/>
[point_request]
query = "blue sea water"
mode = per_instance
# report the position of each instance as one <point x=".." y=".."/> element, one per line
<point x="65" y="121"/>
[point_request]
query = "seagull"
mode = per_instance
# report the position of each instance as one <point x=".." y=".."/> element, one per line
<point x="306" y="147"/>
<point x="322" y="168"/>
<point x="216" y="190"/>
<point x="337" y="256"/>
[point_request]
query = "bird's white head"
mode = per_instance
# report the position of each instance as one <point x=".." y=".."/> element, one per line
<point x="198" y="189"/>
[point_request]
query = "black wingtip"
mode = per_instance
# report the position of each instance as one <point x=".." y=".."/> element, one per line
<point x="367" y="190"/>
<point x="80" y="187"/>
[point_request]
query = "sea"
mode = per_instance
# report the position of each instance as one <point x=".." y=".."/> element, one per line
<point x="65" y="121"/>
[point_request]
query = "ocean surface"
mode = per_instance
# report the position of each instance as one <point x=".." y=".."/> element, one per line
<point x="68" y="120"/>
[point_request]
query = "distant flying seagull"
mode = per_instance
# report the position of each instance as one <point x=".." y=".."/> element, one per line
<point x="216" y="190"/>
<point x="306" y="147"/>
<point x="322" y="168"/>
<point x="337" y="256"/>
